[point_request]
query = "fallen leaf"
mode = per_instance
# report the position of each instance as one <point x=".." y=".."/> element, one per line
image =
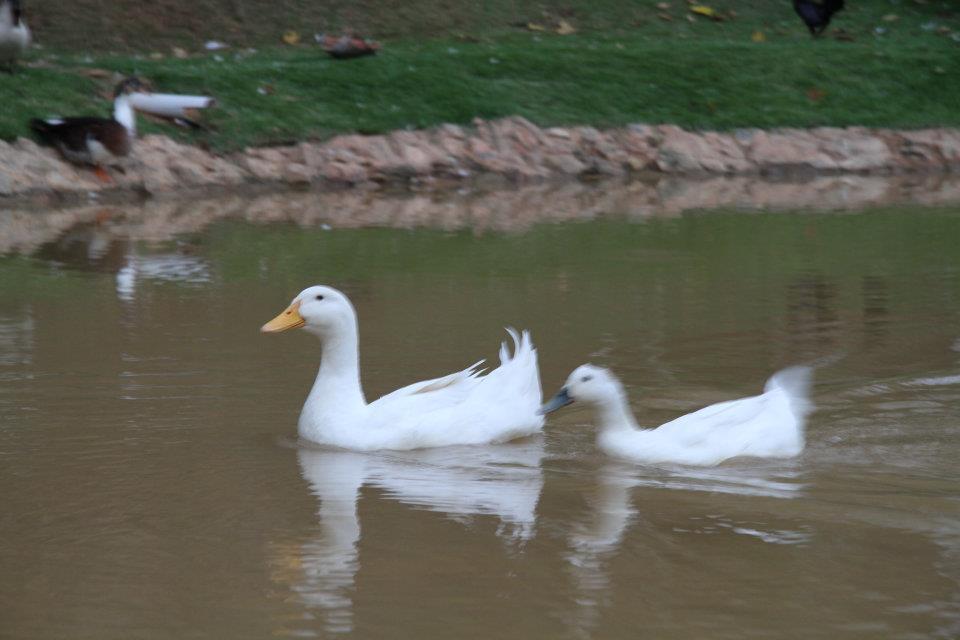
<point x="565" y="28"/>
<point x="815" y="95"/>
<point x="533" y="26"/>
<point x="665" y="16"/>
<point x="891" y="17"/>
<point x="758" y="36"/>
<point x="943" y="30"/>
<point x="703" y="10"/>
<point x="179" y="53"/>
<point x="156" y="55"/>
<point x="690" y="18"/>
<point x="291" y="37"/>
<point x="663" y="6"/>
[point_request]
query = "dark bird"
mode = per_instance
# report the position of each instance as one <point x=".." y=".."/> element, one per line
<point x="347" y="46"/>
<point x="816" y="15"/>
<point x="91" y="140"/>
<point x="14" y="34"/>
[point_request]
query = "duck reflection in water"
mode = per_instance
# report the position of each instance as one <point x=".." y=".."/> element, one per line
<point x="502" y="481"/>
<point x="595" y="541"/>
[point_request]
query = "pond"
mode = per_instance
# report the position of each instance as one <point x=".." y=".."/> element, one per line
<point x="153" y="487"/>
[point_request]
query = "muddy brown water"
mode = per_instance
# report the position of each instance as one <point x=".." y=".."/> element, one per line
<point x="152" y="486"/>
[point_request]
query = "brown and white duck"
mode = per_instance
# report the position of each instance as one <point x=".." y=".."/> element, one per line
<point x="14" y="34"/>
<point x="91" y="140"/>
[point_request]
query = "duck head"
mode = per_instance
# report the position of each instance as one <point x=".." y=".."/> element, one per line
<point x="321" y="310"/>
<point x="15" y="12"/>
<point x="588" y="383"/>
<point x="131" y="84"/>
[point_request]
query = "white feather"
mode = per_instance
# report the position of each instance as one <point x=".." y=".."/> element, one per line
<point x="768" y="425"/>
<point x="461" y="408"/>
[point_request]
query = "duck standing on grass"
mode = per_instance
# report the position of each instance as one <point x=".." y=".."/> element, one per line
<point x="462" y="408"/>
<point x="770" y="425"/>
<point x="14" y="34"/>
<point x="816" y="15"/>
<point x="91" y="140"/>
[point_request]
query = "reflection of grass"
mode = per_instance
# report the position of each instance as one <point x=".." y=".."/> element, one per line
<point x="716" y="246"/>
<point x="706" y="74"/>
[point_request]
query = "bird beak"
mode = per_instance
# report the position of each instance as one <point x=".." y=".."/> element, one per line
<point x="562" y="399"/>
<point x="289" y="319"/>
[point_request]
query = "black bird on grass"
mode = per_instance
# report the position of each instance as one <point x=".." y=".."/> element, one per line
<point x="816" y="15"/>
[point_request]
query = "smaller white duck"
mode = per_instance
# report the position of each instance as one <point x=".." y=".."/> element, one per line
<point x="462" y="408"/>
<point x="770" y="425"/>
<point x="14" y="34"/>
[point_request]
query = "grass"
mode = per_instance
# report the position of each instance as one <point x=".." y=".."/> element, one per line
<point x="623" y="65"/>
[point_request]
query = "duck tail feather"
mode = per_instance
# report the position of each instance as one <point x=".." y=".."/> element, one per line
<point x="505" y="356"/>
<point x="796" y="381"/>
<point x="41" y="127"/>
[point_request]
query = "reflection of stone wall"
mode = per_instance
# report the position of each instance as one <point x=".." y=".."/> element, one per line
<point x="512" y="209"/>
<point x="512" y="148"/>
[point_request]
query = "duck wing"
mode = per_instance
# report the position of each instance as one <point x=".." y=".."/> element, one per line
<point x="768" y="425"/>
<point x="444" y="387"/>
<point x="73" y="135"/>
<point x="465" y="407"/>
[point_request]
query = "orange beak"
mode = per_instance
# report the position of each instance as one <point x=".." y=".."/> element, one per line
<point x="289" y="319"/>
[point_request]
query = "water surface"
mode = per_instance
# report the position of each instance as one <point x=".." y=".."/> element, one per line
<point x="152" y="485"/>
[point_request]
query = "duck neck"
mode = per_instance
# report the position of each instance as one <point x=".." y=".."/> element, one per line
<point x="614" y="413"/>
<point x="8" y="16"/>
<point x="338" y="380"/>
<point x="123" y="113"/>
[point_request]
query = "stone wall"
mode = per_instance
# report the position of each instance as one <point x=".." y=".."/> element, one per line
<point x="511" y="149"/>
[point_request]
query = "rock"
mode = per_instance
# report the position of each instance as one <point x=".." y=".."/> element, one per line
<point x="932" y="146"/>
<point x="683" y="151"/>
<point x="639" y="147"/>
<point x="345" y="172"/>
<point x="854" y="149"/>
<point x="296" y="173"/>
<point x="789" y="149"/>
<point x="565" y="163"/>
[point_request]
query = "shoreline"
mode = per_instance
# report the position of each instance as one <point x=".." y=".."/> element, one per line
<point x="502" y="152"/>
<point x="480" y="210"/>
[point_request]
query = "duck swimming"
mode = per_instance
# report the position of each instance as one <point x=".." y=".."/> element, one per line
<point x="458" y="409"/>
<point x="769" y="425"/>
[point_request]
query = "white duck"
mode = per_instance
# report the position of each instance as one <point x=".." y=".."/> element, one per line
<point x="461" y="408"/>
<point x="14" y="34"/>
<point x="769" y="425"/>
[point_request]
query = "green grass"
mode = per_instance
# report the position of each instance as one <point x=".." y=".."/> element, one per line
<point x="623" y="65"/>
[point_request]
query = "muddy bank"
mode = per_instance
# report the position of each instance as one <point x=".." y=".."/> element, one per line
<point x="511" y="149"/>
<point x="24" y="230"/>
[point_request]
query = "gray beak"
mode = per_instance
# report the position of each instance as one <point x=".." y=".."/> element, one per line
<point x="562" y="399"/>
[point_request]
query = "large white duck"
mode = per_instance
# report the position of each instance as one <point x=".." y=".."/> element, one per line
<point x="461" y="408"/>
<point x="769" y="425"/>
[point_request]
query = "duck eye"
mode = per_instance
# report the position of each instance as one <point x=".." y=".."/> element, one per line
<point x="319" y="297"/>
<point x="586" y="378"/>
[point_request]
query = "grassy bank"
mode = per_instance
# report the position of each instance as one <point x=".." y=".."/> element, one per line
<point x="703" y="74"/>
